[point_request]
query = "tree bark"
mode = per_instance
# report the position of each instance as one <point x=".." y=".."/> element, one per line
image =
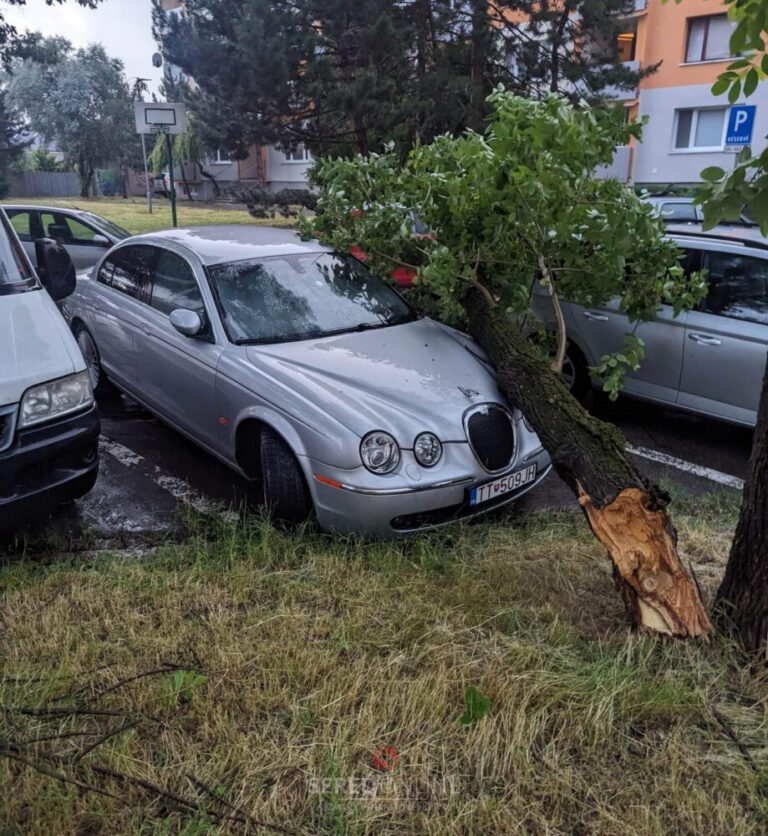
<point x="625" y="511"/>
<point x="742" y="600"/>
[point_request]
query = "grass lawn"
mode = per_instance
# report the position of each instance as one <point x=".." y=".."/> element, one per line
<point x="245" y="678"/>
<point x="132" y="214"/>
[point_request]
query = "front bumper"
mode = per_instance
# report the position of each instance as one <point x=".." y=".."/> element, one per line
<point x="47" y="465"/>
<point x="358" y="502"/>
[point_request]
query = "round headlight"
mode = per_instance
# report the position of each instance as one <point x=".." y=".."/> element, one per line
<point x="427" y="449"/>
<point x="379" y="452"/>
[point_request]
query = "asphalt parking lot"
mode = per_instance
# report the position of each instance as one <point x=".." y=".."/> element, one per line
<point x="149" y="473"/>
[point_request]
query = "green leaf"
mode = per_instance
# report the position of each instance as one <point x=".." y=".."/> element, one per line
<point x="734" y="92"/>
<point x="750" y="82"/>
<point x="721" y="85"/>
<point x="476" y="706"/>
<point x="764" y="64"/>
<point x="712" y="173"/>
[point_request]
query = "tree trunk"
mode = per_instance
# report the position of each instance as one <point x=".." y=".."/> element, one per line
<point x="480" y="34"/>
<point x="742" y="600"/>
<point x="626" y="513"/>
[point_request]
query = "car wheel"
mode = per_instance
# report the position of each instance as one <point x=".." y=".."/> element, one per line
<point x="285" y="492"/>
<point x="575" y="373"/>
<point x="90" y="353"/>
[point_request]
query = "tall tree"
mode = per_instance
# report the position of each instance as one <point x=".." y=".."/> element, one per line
<point x="505" y="211"/>
<point x="568" y="47"/>
<point x="80" y="101"/>
<point x="743" y="596"/>
<point x="13" y="142"/>
<point x="348" y="75"/>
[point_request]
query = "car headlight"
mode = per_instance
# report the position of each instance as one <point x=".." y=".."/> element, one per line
<point x="379" y="452"/>
<point x="56" y="398"/>
<point x="427" y="449"/>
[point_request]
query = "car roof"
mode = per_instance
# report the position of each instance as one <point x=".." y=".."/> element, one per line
<point x="737" y="234"/>
<point x="41" y="207"/>
<point x="233" y="242"/>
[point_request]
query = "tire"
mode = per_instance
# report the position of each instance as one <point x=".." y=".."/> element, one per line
<point x="285" y="492"/>
<point x="90" y="352"/>
<point x="575" y="373"/>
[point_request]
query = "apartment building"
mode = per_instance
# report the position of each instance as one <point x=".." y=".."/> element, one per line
<point x="687" y="124"/>
<point x="274" y="167"/>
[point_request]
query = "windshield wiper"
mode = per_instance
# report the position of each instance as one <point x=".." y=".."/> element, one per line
<point x="314" y="335"/>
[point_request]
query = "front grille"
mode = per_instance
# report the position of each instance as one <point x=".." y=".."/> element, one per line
<point x="491" y="434"/>
<point x="7" y="426"/>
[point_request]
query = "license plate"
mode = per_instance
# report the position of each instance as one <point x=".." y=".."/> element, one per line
<point x="499" y="487"/>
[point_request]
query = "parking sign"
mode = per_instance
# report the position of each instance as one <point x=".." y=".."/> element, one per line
<point x="741" y="123"/>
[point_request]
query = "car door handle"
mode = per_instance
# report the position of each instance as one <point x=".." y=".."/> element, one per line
<point x="703" y="339"/>
<point x="595" y="317"/>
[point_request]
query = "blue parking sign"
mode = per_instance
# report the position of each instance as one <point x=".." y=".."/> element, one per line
<point x="741" y="123"/>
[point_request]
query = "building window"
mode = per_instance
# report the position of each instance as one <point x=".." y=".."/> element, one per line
<point x="298" y="155"/>
<point x="700" y="128"/>
<point x="708" y="38"/>
<point x="222" y="157"/>
<point x="626" y="46"/>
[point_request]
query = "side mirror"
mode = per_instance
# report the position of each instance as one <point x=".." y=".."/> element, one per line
<point x="186" y="322"/>
<point x="55" y="268"/>
<point x="101" y="241"/>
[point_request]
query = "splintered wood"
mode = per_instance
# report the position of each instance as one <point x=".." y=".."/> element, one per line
<point x="659" y="594"/>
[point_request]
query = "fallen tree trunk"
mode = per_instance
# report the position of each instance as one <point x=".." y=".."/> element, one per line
<point x="742" y="600"/>
<point x="625" y="511"/>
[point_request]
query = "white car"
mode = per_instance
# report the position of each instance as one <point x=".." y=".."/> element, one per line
<point x="49" y="426"/>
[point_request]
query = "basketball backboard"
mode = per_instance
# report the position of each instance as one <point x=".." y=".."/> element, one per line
<point x="160" y="117"/>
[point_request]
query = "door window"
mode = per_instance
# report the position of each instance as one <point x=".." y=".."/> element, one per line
<point x="130" y="270"/>
<point x="68" y="231"/>
<point x="21" y="221"/>
<point x="175" y="285"/>
<point x="738" y="287"/>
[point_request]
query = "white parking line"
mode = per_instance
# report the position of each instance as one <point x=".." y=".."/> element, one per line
<point x="687" y="467"/>
<point x="180" y="490"/>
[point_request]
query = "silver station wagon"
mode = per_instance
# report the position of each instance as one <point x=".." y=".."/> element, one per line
<point x="300" y="369"/>
<point x="709" y="360"/>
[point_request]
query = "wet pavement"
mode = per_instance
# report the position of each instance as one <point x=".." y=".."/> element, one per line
<point x="149" y="473"/>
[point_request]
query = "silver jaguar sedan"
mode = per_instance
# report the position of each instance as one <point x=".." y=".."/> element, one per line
<point x="304" y="372"/>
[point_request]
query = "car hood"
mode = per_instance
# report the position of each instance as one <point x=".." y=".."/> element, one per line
<point x="35" y="344"/>
<point x="404" y="379"/>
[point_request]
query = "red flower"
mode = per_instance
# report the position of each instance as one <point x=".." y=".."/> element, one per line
<point x="358" y="253"/>
<point x="357" y="213"/>
<point x="404" y="276"/>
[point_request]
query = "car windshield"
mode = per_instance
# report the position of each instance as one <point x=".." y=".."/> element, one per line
<point x="298" y="297"/>
<point x="113" y="229"/>
<point x="15" y="271"/>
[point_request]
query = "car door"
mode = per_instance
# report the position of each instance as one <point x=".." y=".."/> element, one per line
<point x="727" y="337"/>
<point x="84" y="243"/>
<point x="602" y="330"/>
<point x="117" y="305"/>
<point x="180" y="371"/>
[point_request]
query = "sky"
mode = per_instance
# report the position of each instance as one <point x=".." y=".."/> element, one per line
<point x="124" y="27"/>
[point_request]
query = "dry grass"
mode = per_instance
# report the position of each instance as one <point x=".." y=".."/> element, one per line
<point x="132" y="214"/>
<point x="316" y="652"/>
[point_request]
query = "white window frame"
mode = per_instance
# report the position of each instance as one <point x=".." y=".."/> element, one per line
<point x="698" y="149"/>
<point x="306" y="156"/>
<point x="220" y="160"/>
